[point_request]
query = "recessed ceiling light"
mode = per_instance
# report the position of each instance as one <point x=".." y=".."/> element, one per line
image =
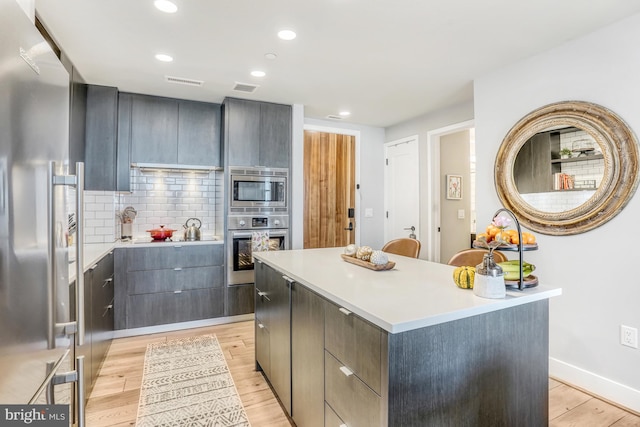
<point x="270" y="56"/>
<point x="345" y="113"/>
<point x="165" y="6"/>
<point x="163" y="57"/>
<point x="287" y="34"/>
<point x="258" y="73"/>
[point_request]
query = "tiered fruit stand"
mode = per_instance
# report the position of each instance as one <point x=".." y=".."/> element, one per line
<point x="524" y="282"/>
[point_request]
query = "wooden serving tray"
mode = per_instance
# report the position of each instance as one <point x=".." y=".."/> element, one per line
<point x="367" y="264"/>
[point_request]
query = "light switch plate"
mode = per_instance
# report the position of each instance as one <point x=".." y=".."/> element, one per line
<point x="368" y="213"/>
<point x="460" y="213"/>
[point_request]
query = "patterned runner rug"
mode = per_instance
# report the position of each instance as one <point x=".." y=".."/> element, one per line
<point x="186" y="382"/>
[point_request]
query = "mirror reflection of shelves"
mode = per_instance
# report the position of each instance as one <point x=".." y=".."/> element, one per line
<point x="578" y="159"/>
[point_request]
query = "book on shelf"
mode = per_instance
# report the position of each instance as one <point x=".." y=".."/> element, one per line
<point x="563" y="181"/>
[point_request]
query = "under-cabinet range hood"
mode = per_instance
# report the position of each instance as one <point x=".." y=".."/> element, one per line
<point x="175" y="167"/>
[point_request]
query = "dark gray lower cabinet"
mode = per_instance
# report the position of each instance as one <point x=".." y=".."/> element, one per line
<point x="169" y="284"/>
<point x="240" y="300"/>
<point x="307" y="357"/>
<point x="485" y="370"/>
<point x="273" y="322"/>
<point x="98" y="314"/>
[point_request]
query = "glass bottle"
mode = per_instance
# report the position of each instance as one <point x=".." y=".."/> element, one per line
<point x="489" y="279"/>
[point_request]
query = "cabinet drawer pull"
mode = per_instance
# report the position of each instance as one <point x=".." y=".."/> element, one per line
<point x="258" y="261"/>
<point x="261" y="294"/>
<point x="110" y="306"/>
<point x="177" y="292"/>
<point x="177" y="269"/>
<point x="344" y="311"/>
<point x="346" y="371"/>
<point x="93" y="267"/>
<point x="110" y="279"/>
<point x="260" y="325"/>
<point x="177" y="246"/>
<point x="288" y="279"/>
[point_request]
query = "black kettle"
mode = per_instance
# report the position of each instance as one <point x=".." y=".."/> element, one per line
<point x="191" y="231"/>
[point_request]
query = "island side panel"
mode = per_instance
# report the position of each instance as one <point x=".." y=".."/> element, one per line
<point x="486" y="370"/>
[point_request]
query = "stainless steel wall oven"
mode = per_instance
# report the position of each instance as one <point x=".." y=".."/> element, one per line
<point x="242" y="229"/>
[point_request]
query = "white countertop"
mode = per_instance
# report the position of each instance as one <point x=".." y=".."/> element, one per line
<point x="94" y="251"/>
<point x="415" y="294"/>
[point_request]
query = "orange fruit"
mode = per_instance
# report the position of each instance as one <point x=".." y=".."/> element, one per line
<point x="528" y="238"/>
<point x="485" y="235"/>
<point x="504" y="236"/>
<point x="492" y="231"/>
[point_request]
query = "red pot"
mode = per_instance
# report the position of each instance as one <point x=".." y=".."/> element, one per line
<point x="161" y="233"/>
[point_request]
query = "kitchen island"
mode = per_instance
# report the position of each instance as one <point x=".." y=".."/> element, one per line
<point x="341" y="344"/>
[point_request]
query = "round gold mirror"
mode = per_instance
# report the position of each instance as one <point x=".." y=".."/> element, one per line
<point x="567" y="168"/>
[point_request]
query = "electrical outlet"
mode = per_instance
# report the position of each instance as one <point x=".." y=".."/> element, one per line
<point x="628" y="336"/>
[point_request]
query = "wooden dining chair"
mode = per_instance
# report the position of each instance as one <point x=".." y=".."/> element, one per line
<point x="404" y="246"/>
<point x="473" y="257"/>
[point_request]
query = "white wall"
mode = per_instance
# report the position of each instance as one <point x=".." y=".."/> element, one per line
<point x="595" y="269"/>
<point x="421" y="126"/>
<point x="369" y="162"/>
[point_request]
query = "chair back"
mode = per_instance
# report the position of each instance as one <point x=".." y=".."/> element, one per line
<point x="404" y="246"/>
<point x="474" y="257"/>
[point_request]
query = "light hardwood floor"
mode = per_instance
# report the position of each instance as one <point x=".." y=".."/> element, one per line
<point x="114" y="399"/>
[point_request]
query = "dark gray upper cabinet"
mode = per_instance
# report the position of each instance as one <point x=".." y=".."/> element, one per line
<point x="123" y="156"/>
<point x="77" y="119"/>
<point x="100" y="137"/>
<point x="173" y="131"/>
<point x="199" y="133"/>
<point x="275" y="142"/>
<point x="242" y="131"/>
<point x="257" y="133"/>
<point x="154" y="130"/>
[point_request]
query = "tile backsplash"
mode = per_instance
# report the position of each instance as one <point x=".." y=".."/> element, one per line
<point x="99" y="216"/>
<point x="160" y="198"/>
<point x="169" y="198"/>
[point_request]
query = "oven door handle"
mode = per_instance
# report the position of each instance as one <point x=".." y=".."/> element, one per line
<point x="244" y="235"/>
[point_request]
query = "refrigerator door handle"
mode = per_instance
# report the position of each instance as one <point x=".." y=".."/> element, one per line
<point x="76" y="181"/>
<point x="65" y="378"/>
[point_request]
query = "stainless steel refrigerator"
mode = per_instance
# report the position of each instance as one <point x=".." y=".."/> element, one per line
<point x="37" y="330"/>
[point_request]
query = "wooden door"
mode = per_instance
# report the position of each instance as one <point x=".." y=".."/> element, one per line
<point x="329" y="189"/>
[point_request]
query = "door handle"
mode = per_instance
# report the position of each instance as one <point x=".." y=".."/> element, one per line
<point x="412" y="235"/>
<point x="350" y="227"/>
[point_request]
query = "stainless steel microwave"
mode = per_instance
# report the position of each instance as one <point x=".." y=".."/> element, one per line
<point x="259" y="187"/>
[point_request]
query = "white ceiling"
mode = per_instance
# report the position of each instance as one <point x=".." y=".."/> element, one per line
<point x="386" y="61"/>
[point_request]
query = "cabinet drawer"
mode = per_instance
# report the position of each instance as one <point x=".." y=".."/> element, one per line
<point x="174" y="256"/>
<point x="263" y="347"/>
<point x="350" y="398"/>
<point x="331" y="419"/>
<point x="356" y="342"/>
<point x="175" y="279"/>
<point x="262" y="301"/>
<point x="170" y="307"/>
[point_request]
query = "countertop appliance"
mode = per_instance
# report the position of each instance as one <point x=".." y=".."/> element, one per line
<point x="243" y="232"/>
<point x="37" y="358"/>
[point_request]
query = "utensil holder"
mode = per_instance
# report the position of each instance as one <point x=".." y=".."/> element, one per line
<point x="126" y="231"/>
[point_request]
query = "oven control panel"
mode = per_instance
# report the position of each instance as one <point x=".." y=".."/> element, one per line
<point x="257" y="222"/>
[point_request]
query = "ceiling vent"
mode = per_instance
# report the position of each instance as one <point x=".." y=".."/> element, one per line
<point x="183" y="81"/>
<point x="334" y="117"/>
<point x="245" y="87"/>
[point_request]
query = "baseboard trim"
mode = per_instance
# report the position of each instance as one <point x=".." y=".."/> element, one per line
<point x="616" y="393"/>
<point x="123" y="333"/>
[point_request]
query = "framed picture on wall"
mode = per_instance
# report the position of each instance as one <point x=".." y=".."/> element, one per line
<point x="454" y="187"/>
